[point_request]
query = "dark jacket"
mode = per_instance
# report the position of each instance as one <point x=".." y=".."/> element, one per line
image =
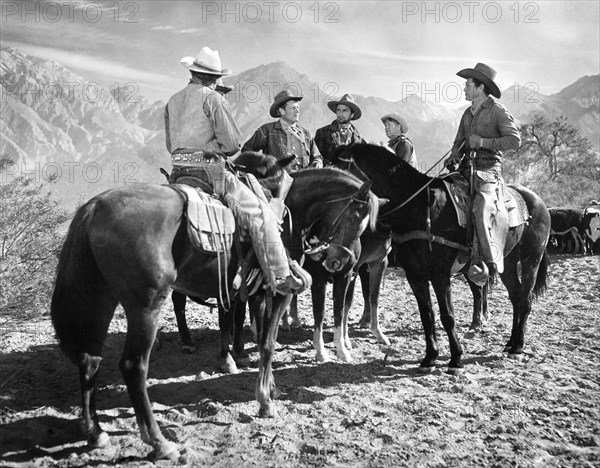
<point x="329" y="137"/>
<point x="272" y="139"/>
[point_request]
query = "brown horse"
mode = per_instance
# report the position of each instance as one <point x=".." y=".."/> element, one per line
<point x="130" y="246"/>
<point x="428" y="257"/>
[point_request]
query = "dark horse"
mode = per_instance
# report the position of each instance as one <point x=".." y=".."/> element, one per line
<point x="130" y="246"/>
<point x="429" y="258"/>
<point x="371" y="253"/>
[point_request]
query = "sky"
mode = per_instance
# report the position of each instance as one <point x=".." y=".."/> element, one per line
<point x="385" y="49"/>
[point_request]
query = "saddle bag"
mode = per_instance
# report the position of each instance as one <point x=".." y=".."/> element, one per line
<point x="211" y="224"/>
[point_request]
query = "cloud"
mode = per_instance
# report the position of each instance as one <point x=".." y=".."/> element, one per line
<point x="162" y="28"/>
<point x="188" y="31"/>
<point x="89" y="64"/>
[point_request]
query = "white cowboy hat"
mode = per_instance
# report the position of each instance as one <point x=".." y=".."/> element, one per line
<point x="396" y="118"/>
<point x="207" y="61"/>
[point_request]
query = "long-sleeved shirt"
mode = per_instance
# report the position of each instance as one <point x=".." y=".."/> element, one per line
<point x="329" y="137"/>
<point x="272" y="138"/>
<point x="495" y="125"/>
<point x="199" y="118"/>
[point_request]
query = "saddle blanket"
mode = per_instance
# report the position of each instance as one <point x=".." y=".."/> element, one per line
<point x="211" y="224"/>
<point x="458" y="188"/>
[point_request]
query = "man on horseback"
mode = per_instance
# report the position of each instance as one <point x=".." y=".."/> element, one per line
<point x="199" y="125"/>
<point x="395" y="129"/>
<point x="486" y="129"/>
<point x="285" y="137"/>
<point x="341" y="131"/>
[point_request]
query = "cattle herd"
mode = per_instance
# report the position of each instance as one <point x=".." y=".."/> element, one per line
<point x="575" y="230"/>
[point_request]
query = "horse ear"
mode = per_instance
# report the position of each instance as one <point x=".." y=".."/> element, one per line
<point x="364" y="189"/>
<point x="383" y="201"/>
<point x="284" y="162"/>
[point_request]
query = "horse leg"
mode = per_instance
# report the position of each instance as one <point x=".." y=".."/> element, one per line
<point x="420" y="289"/>
<point x="365" y="283"/>
<point x="142" y="324"/>
<point x="89" y="360"/>
<point x="478" y="298"/>
<point x="522" y="302"/>
<point x="239" y="317"/>
<point x="187" y="345"/>
<point x="443" y="292"/>
<point x="340" y="286"/>
<point x="268" y="325"/>
<point x="510" y="278"/>
<point x="376" y="270"/>
<point x="318" y="302"/>
<point x="226" y="362"/>
<point x="292" y="313"/>
<point x="348" y="299"/>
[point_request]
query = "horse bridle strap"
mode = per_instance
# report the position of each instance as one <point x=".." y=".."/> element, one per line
<point x="423" y="235"/>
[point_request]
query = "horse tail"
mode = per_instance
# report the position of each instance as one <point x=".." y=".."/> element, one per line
<point x="77" y="278"/>
<point x="542" y="275"/>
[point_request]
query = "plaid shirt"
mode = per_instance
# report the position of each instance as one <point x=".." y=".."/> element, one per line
<point x="271" y="138"/>
<point x="329" y="137"/>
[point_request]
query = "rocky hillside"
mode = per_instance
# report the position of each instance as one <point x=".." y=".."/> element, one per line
<point x="56" y="124"/>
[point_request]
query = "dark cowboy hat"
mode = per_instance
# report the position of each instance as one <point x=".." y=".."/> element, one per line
<point x="280" y="99"/>
<point x="347" y="100"/>
<point x="483" y="73"/>
<point x="397" y="118"/>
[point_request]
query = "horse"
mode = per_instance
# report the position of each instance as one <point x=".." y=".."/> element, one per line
<point x="130" y="246"/>
<point x="425" y="225"/>
<point x="372" y="261"/>
<point x="374" y="255"/>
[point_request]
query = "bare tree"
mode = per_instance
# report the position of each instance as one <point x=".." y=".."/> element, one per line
<point x="555" y="144"/>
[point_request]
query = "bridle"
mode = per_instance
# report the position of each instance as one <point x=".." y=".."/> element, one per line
<point x="320" y="246"/>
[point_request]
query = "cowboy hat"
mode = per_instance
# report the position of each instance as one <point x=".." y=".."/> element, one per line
<point x="207" y="61"/>
<point x="222" y="88"/>
<point x="348" y="101"/>
<point x="280" y="99"/>
<point x="396" y="118"/>
<point x="483" y="73"/>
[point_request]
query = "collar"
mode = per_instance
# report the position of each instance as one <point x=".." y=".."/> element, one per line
<point x="483" y="104"/>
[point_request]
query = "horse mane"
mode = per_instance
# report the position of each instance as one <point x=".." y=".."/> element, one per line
<point x="382" y="159"/>
<point x="332" y="176"/>
<point x="264" y="167"/>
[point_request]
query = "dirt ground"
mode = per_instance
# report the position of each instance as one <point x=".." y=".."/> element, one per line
<point x="375" y="411"/>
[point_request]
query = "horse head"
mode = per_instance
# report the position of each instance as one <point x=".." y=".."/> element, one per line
<point x="336" y="208"/>
<point x="269" y="170"/>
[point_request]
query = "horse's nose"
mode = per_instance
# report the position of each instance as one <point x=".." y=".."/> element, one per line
<point x="336" y="265"/>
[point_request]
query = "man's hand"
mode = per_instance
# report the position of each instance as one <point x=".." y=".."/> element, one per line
<point x="452" y="161"/>
<point x="316" y="164"/>
<point x="474" y="141"/>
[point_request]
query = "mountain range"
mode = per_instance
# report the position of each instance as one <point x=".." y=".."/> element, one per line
<point x="87" y="138"/>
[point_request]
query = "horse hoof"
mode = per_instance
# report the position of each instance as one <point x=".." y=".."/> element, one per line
<point x="188" y="349"/>
<point x="344" y="356"/>
<point x="425" y="370"/>
<point x="228" y="366"/>
<point x="100" y="441"/>
<point x="455" y="370"/>
<point x="470" y="334"/>
<point x="267" y="411"/>
<point x="516" y="356"/>
<point x="166" y="451"/>
<point x="363" y="323"/>
<point x="323" y="357"/>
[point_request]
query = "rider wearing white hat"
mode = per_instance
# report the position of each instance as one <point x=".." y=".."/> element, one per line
<point x="199" y="124"/>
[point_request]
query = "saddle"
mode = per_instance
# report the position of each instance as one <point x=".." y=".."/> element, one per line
<point x="211" y="225"/>
<point x="458" y="188"/>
